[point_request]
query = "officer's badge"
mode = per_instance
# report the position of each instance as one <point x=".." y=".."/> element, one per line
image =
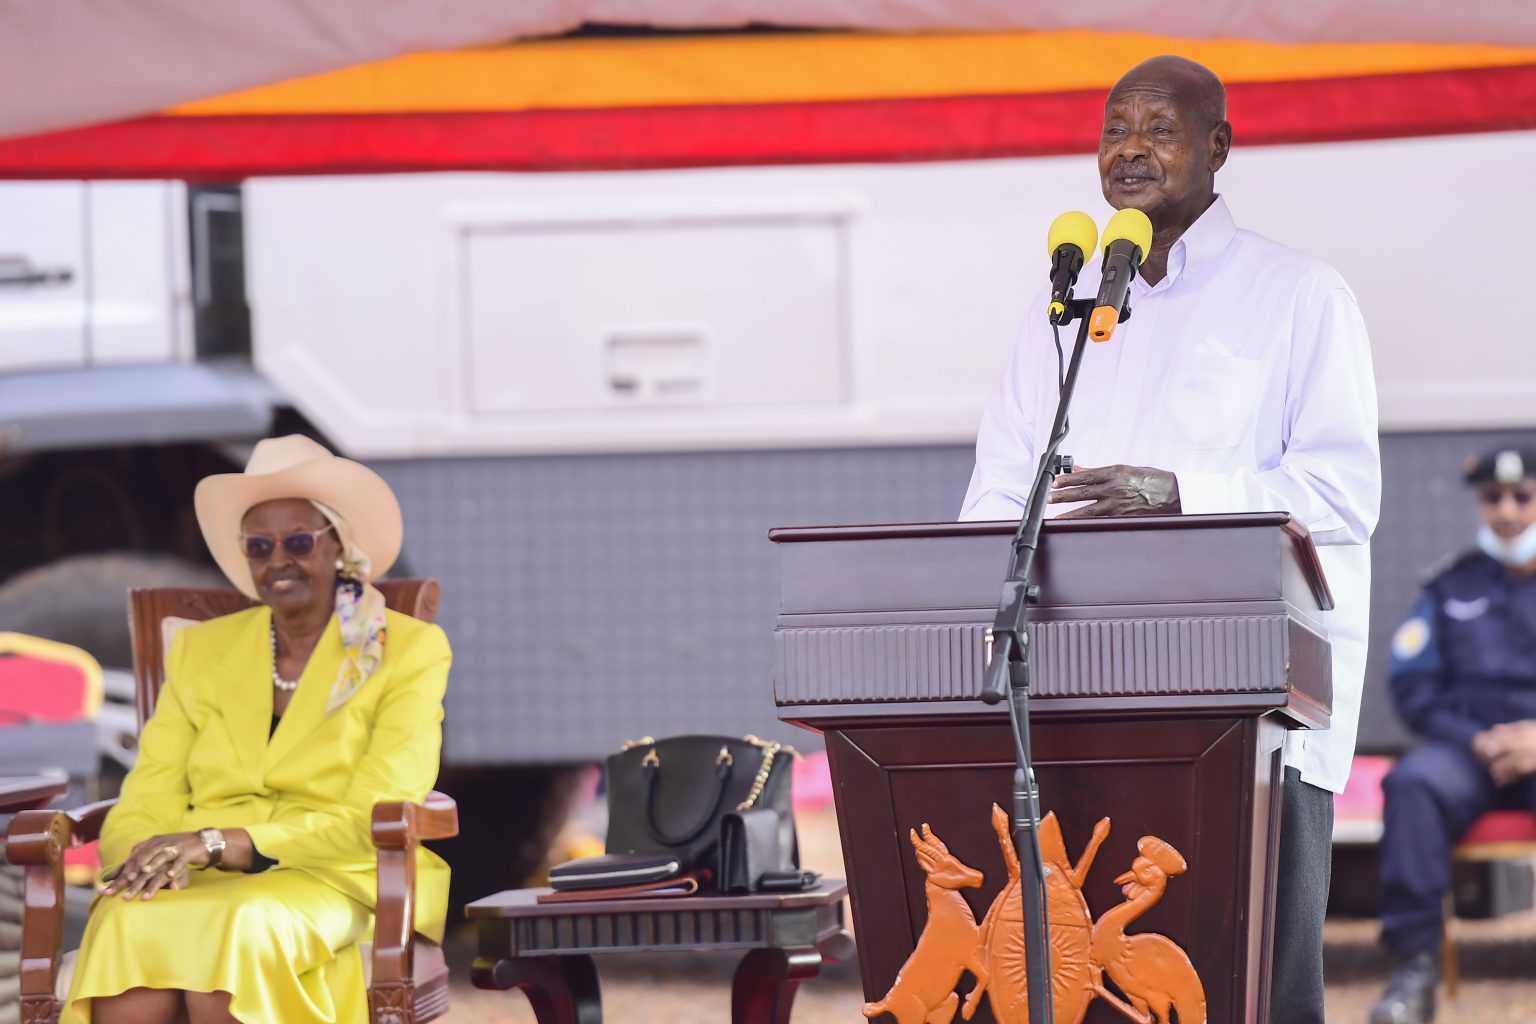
<point x="1508" y="467"/>
<point x="1410" y="639"/>
<point x="1466" y="611"/>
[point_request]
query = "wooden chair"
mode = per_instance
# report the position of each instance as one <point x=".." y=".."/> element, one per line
<point x="409" y="983"/>
<point x="1497" y="835"/>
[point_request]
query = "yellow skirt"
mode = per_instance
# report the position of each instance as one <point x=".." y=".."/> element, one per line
<point x="283" y="944"/>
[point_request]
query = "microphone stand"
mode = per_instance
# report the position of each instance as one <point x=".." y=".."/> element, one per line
<point x="1008" y="673"/>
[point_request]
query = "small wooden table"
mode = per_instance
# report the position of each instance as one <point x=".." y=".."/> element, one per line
<point x="546" y="949"/>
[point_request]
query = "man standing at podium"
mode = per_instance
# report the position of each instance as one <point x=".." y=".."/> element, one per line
<point x="1241" y="383"/>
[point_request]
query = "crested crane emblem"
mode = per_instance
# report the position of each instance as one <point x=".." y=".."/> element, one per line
<point x="1152" y="977"/>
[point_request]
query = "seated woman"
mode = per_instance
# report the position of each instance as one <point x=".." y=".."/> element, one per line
<point x="247" y="869"/>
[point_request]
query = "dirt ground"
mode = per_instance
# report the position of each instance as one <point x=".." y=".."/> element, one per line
<point x="1498" y="966"/>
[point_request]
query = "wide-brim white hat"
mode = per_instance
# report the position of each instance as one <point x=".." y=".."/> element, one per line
<point x="297" y="467"/>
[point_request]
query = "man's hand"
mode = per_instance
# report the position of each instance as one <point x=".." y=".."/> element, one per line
<point x="1486" y="747"/>
<point x="1117" y="491"/>
<point x="156" y="863"/>
<point x="1516" y="756"/>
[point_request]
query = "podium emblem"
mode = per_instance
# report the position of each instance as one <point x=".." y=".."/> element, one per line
<point x="1154" y="981"/>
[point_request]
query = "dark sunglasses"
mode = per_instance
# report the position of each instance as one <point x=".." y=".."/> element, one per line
<point x="1494" y="496"/>
<point x="300" y="545"/>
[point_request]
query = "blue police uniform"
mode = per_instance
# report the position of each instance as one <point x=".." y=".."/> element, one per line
<point x="1463" y="660"/>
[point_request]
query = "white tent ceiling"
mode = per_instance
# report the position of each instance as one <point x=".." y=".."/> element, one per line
<point x="65" y="63"/>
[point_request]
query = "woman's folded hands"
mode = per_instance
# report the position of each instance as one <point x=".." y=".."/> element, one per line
<point x="159" y="862"/>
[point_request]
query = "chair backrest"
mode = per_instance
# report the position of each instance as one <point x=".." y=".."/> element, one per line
<point x="149" y="607"/>
<point x="46" y="681"/>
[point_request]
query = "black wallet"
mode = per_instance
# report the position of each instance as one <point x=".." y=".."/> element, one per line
<point x="614" y="870"/>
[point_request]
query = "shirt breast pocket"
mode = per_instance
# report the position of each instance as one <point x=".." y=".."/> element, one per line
<point x="1211" y="398"/>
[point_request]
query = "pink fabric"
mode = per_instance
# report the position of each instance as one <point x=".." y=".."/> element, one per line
<point x="1502" y="827"/>
<point x="1361" y="799"/>
<point x="813" y="782"/>
<point x="38" y="690"/>
<point x="86" y="854"/>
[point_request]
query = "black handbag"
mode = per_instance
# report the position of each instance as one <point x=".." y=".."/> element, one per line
<point x="675" y="795"/>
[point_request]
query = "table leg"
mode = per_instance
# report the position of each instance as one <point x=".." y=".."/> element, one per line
<point x="561" y="989"/>
<point x="764" y="989"/>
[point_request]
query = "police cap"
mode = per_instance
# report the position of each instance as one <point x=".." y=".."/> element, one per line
<point x="1508" y="465"/>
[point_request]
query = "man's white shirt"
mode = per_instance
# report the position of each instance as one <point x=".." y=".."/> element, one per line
<point x="1246" y="372"/>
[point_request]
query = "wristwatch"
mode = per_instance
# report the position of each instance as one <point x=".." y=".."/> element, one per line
<point x="213" y="842"/>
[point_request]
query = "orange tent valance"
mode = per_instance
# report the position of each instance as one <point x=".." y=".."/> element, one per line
<point x="667" y="101"/>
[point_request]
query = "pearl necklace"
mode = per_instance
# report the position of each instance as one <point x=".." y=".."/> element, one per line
<point x="278" y="681"/>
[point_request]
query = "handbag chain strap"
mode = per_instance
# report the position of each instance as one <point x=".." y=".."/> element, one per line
<point x="770" y="749"/>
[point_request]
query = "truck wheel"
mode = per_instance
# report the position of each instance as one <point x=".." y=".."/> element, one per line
<point x="83" y="600"/>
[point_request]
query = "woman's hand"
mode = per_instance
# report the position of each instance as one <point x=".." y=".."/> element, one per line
<point x="156" y="863"/>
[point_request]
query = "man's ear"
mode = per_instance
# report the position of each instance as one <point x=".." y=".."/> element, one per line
<point x="1221" y="145"/>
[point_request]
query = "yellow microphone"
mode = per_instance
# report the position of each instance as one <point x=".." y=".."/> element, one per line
<point x="1070" y="240"/>
<point x="1127" y="240"/>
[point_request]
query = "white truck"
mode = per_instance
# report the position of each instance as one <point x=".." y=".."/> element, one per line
<point x="595" y="392"/>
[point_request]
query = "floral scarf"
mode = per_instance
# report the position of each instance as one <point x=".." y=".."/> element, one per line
<point x="360" y="613"/>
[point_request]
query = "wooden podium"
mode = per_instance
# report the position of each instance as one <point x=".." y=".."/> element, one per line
<point x="1170" y="656"/>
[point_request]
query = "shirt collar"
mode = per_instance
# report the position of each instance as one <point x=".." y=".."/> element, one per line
<point x="1204" y="240"/>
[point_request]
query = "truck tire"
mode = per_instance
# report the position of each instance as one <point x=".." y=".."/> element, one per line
<point x="83" y="600"/>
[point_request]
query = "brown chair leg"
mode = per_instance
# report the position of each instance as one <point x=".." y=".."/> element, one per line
<point x="37" y="840"/>
<point x="561" y="989"/>
<point x="40" y="1010"/>
<point x="764" y="989"/>
<point x="1450" y="960"/>
<point x="391" y="1004"/>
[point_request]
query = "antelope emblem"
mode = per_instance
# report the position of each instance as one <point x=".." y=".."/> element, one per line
<point x="924" y="990"/>
<point x="1158" y="983"/>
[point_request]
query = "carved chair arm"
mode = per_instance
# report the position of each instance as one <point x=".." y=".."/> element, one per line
<point x="37" y="838"/>
<point x="30" y="840"/>
<point x="397" y="828"/>
<point x="36" y="841"/>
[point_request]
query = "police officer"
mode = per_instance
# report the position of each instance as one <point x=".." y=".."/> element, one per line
<point x="1464" y="678"/>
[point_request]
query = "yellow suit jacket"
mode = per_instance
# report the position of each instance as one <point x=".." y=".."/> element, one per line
<point x="306" y="797"/>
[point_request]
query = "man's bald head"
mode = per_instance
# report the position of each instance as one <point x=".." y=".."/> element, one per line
<point x="1165" y="136"/>
<point x="1194" y="87"/>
